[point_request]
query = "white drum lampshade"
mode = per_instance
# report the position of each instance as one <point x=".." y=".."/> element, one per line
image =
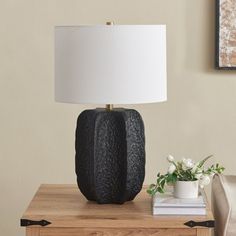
<point x="110" y="64"/>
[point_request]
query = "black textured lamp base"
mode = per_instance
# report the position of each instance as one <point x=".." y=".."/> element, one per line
<point x="110" y="155"/>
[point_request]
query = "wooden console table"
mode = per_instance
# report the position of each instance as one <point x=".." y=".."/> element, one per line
<point x="61" y="210"/>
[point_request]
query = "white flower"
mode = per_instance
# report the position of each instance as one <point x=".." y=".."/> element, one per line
<point x="170" y="158"/>
<point x="204" y="180"/>
<point x="198" y="175"/>
<point x="195" y="168"/>
<point x="187" y="163"/>
<point x="171" y="168"/>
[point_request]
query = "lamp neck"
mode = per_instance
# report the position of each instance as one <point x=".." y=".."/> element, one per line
<point x="109" y="107"/>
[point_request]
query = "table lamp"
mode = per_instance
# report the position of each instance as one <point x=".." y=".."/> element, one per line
<point x="110" y="64"/>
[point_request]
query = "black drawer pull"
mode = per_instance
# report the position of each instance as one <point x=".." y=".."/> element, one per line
<point x="26" y="222"/>
<point x="208" y="223"/>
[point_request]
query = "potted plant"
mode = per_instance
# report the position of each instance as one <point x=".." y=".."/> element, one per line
<point x="185" y="176"/>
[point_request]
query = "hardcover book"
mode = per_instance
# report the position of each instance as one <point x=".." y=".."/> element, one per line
<point x="167" y="204"/>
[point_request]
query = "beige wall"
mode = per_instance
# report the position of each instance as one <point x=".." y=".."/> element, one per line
<point x="37" y="135"/>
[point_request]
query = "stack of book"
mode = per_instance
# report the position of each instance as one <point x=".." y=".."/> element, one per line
<point x="167" y="204"/>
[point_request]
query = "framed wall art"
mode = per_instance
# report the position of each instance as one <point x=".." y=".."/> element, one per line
<point x="226" y="34"/>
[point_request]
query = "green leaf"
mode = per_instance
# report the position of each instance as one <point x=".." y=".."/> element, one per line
<point x="201" y="163"/>
<point x="162" y="183"/>
<point x="160" y="190"/>
<point x="149" y="191"/>
<point x="171" y="178"/>
<point x="152" y="186"/>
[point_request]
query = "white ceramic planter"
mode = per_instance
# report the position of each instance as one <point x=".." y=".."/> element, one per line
<point x="186" y="189"/>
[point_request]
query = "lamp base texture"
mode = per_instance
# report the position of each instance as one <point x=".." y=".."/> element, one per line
<point x="110" y="155"/>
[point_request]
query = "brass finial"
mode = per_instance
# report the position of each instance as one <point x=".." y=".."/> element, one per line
<point x="109" y="107"/>
<point x="110" y="23"/>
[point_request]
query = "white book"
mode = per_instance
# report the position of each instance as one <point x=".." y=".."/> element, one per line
<point x="168" y="200"/>
<point x="179" y="211"/>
